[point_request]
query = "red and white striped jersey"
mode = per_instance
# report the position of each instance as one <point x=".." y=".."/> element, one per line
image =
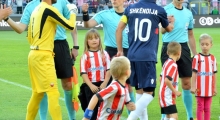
<point x="170" y="71"/>
<point x="95" y="65"/>
<point x="205" y="66"/>
<point x="113" y="99"/>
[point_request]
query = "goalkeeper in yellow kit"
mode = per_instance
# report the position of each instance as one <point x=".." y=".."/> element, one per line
<point x="41" y="33"/>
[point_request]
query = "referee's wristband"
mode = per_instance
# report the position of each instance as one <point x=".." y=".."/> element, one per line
<point x="6" y="19"/>
<point x="85" y="16"/>
<point x="76" y="47"/>
<point x="88" y="113"/>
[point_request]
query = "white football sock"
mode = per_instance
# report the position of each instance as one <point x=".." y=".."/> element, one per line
<point x="141" y="104"/>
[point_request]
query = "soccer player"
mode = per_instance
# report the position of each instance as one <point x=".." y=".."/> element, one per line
<point x="63" y="62"/>
<point x="183" y="34"/>
<point x="115" y="96"/>
<point x="43" y="23"/>
<point x="142" y="18"/>
<point x="109" y="19"/>
<point x="5" y="12"/>
<point x="169" y="82"/>
<point x="204" y="78"/>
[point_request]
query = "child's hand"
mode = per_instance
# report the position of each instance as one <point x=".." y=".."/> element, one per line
<point x="131" y="106"/>
<point x="193" y="90"/>
<point x="103" y="85"/>
<point x="177" y="93"/>
<point x="85" y="119"/>
<point x="94" y="88"/>
<point x="215" y="92"/>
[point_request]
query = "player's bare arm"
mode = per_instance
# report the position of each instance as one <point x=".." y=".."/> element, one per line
<point x="90" y="108"/>
<point x="75" y="43"/>
<point x="192" y="42"/>
<point x="88" y="23"/>
<point x="119" y="30"/>
<point x="18" y="27"/>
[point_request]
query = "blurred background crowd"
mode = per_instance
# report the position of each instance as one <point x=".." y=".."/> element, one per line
<point x="198" y="7"/>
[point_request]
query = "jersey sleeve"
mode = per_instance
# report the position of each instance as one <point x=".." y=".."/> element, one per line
<point x="171" y="71"/>
<point x="55" y="16"/>
<point x="25" y="18"/>
<point x="195" y="63"/>
<point x="99" y="18"/>
<point x="83" y="64"/>
<point x="191" y="21"/>
<point x="107" y="92"/>
<point x="163" y="18"/>
<point x="65" y="11"/>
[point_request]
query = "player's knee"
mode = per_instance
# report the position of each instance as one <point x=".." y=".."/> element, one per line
<point x="150" y="90"/>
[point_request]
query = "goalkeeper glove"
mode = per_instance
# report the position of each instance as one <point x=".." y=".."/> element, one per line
<point x="72" y="8"/>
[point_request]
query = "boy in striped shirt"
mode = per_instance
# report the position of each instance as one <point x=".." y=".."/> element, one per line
<point x="169" y="82"/>
<point x="204" y="77"/>
<point x="115" y="96"/>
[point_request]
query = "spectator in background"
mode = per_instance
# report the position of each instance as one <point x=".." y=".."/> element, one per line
<point x="106" y="6"/>
<point x="5" y="12"/>
<point x="126" y="4"/>
<point x="101" y="4"/>
<point x="79" y="5"/>
<point x="95" y="5"/>
<point x="90" y="5"/>
<point x="131" y="2"/>
<point x="109" y="4"/>
<point x="215" y="11"/>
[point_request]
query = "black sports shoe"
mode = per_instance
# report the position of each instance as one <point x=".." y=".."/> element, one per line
<point x="191" y="119"/>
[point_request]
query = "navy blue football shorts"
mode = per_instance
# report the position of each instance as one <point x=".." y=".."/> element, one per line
<point x="143" y="74"/>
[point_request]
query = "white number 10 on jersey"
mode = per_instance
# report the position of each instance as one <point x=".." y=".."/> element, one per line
<point x="139" y="27"/>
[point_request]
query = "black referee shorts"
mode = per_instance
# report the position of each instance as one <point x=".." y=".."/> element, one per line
<point x="185" y="61"/>
<point x="169" y="109"/>
<point x="62" y="59"/>
<point x="112" y="52"/>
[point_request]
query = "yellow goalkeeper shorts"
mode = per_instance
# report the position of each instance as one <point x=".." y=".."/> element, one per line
<point x="42" y="71"/>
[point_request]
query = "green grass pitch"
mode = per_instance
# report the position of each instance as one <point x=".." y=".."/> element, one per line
<point x="15" y="88"/>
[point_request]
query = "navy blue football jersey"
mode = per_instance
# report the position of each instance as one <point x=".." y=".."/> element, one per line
<point x="143" y="20"/>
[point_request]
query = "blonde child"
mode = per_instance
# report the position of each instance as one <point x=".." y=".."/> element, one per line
<point x="115" y="96"/>
<point x="169" y="82"/>
<point x="204" y="77"/>
<point x="94" y="69"/>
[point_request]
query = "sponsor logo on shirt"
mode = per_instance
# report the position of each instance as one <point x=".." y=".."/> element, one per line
<point x="204" y="73"/>
<point x="96" y="68"/>
<point x="113" y="111"/>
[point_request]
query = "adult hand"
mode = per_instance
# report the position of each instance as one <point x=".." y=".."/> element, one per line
<point x="85" y="7"/>
<point x="74" y="53"/>
<point x="5" y="12"/>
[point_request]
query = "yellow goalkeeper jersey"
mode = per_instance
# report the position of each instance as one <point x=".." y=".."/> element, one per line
<point x="42" y="27"/>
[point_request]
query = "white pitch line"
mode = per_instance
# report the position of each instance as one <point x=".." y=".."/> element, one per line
<point x="22" y="86"/>
<point x="28" y="88"/>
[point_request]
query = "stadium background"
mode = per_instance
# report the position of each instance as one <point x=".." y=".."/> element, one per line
<point x="15" y="88"/>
